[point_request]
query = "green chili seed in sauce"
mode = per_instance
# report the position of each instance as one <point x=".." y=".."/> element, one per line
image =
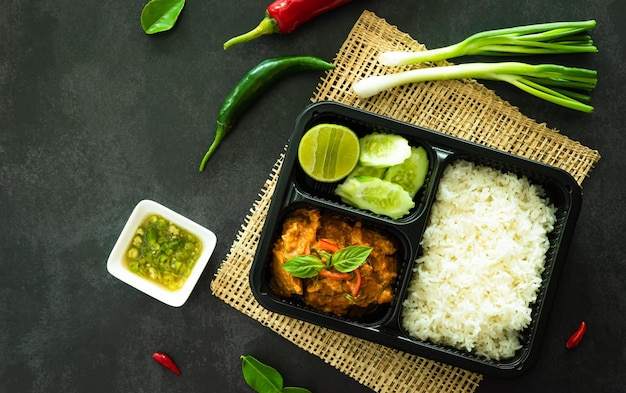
<point x="163" y="252"/>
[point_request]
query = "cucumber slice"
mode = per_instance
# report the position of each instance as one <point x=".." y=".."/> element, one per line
<point x="383" y="150"/>
<point x="411" y="173"/>
<point x="376" y="195"/>
<point x="362" y="170"/>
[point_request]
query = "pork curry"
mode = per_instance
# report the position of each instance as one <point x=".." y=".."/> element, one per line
<point x="348" y="294"/>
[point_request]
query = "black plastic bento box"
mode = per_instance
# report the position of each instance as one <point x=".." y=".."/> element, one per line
<point x="382" y="324"/>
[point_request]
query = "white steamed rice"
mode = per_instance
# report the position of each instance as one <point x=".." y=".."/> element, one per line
<point x="483" y="254"/>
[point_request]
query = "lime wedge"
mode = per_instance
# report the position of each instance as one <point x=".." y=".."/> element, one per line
<point x="328" y="152"/>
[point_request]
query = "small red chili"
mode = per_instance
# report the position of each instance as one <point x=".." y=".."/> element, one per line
<point x="165" y="361"/>
<point x="328" y="245"/>
<point x="359" y="282"/>
<point x="289" y="14"/>
<point x="284" y="16"/>
<point x="577" y="336"/>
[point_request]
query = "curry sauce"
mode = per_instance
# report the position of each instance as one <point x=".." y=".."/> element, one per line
<point x="301" y="234"/>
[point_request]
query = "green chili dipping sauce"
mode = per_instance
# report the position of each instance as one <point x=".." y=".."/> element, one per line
<point x="163" y="252"/>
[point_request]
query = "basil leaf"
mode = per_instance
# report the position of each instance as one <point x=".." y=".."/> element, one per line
<point x="160" y="15"/>
<point x="261" y="377"/>
<point x="349" y="258"/>
<point x="303" y="266"/>
<point x="295" y="390"/>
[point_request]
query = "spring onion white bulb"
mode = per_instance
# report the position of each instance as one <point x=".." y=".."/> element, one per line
<point x="565" y="86"/>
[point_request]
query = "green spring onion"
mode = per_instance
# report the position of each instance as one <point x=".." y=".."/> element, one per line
<point x="565" y="86"/>
<point x="545" y="38"/>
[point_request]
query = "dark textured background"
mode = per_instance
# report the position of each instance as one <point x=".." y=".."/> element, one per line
<point x="95" y="116"/>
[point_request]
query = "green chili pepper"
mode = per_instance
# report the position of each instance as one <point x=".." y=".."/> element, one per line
<point x="252" y="85"/>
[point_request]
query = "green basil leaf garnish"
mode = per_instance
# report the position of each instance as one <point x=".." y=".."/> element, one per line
<point x="261" y="377"/>
<point x="160" y="15"/>
<point x="349" y="258"/>
<point x="303" y="266"/>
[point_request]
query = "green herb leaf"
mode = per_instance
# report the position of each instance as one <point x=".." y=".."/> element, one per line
<point x="303" y="266"/>
<point x="261" y="377"/>
<point x="349" y="258"/>
<point x="160" y="15"/>
<point x="295" y="390"/>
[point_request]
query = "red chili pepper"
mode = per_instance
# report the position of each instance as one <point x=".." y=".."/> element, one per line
<point x="354" y="287"/>
<point x="165" y="361"/>
<point x="335" y="275"/>
<point x="284" y="16"/>
<point x="357" y="285"/>
<point x="577" y="337"/>
<point x="328" y="245"/>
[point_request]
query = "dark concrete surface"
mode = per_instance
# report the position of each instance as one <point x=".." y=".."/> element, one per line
<point x="95" y="115"/>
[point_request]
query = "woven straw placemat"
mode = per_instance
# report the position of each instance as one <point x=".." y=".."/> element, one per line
<point x="462" y="108"/>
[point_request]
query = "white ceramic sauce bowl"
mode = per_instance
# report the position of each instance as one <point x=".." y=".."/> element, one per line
<point x="118" y="268"/>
